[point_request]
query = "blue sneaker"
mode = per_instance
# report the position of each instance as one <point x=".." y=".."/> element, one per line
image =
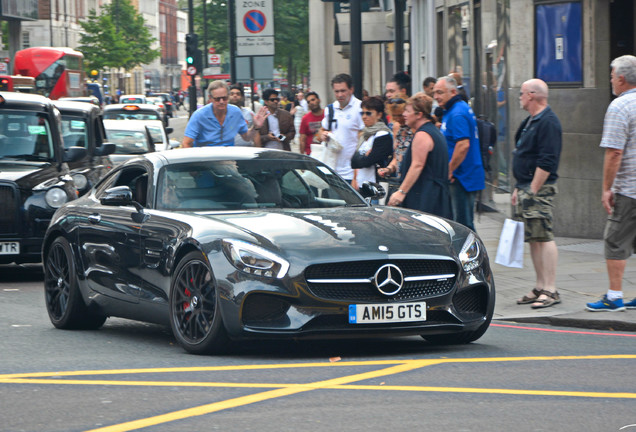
<point x="605" y="305"/>
<point x="631" y="304"/>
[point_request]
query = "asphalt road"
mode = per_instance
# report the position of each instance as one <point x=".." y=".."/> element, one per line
<point x="133" y="376"/>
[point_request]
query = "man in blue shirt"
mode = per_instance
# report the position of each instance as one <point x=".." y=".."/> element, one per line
<point x="465" y="169"/>
<point x="217" y="123"/>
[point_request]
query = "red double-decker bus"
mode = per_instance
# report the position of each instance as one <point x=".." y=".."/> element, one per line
<point x="58" y="72"/>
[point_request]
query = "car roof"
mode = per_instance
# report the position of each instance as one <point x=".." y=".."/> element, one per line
<point x="25" y="100"/>
<point x="67" y="106"/>
<point x="199" y="154"/>
<point x="114" y="107"/>
<point x="131" y="125"/>
<point x="132" y="96"/>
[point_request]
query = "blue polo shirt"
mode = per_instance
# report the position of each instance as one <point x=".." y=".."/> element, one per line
<point x="206" y="130"/>
<point x="459" y="123"/>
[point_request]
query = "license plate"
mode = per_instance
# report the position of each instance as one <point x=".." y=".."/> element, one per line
<point x="9" y="248"/>
<point x="387" y="313"/>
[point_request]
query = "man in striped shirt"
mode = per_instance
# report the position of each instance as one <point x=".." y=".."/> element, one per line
<point x="619" y="182"/>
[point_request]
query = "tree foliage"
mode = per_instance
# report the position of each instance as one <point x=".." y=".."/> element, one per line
<point x="117" y="37"/>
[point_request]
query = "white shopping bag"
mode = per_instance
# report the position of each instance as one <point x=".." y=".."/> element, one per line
<point x="510" y="250"/>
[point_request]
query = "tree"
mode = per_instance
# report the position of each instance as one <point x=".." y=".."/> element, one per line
<point x="116" y="38"/>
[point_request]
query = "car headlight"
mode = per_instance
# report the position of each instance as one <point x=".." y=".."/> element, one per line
<point x="469" y="254"/>
<point x="80" y="181"/>
<point x="254" y="259"/>
<point x="55" y="197"/>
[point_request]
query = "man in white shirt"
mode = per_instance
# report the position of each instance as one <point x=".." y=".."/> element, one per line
<point x="347" y="122"/>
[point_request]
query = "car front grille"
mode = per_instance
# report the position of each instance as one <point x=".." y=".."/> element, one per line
<point x="9" y="199"/>
<point x="353" y="281"/>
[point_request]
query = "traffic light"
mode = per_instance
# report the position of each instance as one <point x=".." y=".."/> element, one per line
<point x="194" y="56"/>
<point x="192" y="45"/>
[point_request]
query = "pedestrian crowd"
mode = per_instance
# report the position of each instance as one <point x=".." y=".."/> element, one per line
<point x="426" y="148"/>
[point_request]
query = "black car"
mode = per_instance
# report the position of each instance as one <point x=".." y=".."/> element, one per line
<point x="35" y="178"/>
<point x="241" y="243"/>
<point x="168" y="102"/>
<point x="82" y="126"/>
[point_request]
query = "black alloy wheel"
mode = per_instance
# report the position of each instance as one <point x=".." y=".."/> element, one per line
<point x="194" y="310"/>
<point x="64" y="302"/>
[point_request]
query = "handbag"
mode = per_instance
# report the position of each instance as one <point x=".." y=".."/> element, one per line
<point x="510" y="249"/>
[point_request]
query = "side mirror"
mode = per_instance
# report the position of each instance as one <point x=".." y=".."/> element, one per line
<point x="120" y="196"/>
<point x="372" y="190"/>
<point x="73" y="154"/>
<point x="117" y="196"/>
<point x="105" y="149"/>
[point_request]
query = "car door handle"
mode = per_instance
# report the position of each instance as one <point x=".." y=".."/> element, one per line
<point x="95" y="218"/>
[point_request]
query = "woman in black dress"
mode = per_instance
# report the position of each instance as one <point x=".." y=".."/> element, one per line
<point x="424" y="168"/>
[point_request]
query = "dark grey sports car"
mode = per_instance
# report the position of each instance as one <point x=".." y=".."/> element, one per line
<point x="234" y="243"/>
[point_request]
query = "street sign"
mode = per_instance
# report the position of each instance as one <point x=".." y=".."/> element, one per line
<point x="212" y="50"/>
<point x="255" y="28"/>
<point x="214" y="59"/>
<point x="191" y="70"/>
<point x="4" y="67"/>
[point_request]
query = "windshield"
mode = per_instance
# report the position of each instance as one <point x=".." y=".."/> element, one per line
<point x="128" y="142"/>
<point x="74" y="131"/>
<point x="257" y="183"/>
<point x="25" y="136"/>
<point x="156" y="132"/>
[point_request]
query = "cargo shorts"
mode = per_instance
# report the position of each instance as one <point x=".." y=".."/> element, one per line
<point x="620" y="229"/>
<point x="535" y="211"/>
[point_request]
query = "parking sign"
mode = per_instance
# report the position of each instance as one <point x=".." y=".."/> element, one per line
<point x="255" y="28"/>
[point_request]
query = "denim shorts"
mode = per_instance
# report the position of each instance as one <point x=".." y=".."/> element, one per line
<point x="535" y="211"/>
<point x="620" y="229"/>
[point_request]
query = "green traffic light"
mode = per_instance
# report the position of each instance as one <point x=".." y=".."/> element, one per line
<point x="189" y="60"/>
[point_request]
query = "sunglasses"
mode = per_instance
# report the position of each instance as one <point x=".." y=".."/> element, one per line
<point x="273" y="99"/>
<point x="367" y="113"/>
<point x="220" y="98"/>
<point x="397" y="101"/>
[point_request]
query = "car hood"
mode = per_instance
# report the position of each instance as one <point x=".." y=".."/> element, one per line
<point x="27" y="174"/>
<point x="338" y="233"/>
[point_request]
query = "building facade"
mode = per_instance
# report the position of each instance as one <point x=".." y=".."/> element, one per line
<point x="58" y="25"/>
<point x="499" y="44"/>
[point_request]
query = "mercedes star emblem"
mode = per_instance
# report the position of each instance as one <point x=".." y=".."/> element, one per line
<point x="389" y="279"/>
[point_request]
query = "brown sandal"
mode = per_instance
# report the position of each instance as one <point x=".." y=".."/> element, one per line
<point x="526" y="299"/>
<point x="552" y="299"/>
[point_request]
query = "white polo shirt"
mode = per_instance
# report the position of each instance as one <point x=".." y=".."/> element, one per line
<point x="347" y="123"/>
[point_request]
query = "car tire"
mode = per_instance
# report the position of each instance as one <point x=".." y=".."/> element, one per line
<point x="195" y="317"/>
<point x="64" y="302"/>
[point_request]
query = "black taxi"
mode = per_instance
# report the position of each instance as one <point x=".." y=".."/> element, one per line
<point x="35" y="178"/>
<point x="83" y="126"/>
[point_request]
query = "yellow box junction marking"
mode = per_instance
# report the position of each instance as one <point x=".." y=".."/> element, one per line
<point x="390" y="367"/>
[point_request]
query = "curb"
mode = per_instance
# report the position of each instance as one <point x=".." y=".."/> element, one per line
<point x="576" y="322"/>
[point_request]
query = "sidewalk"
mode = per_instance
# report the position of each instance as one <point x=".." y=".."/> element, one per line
<point x="581" y="278"/>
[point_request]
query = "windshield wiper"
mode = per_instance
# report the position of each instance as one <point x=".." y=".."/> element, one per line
<point x="356" y="205"/>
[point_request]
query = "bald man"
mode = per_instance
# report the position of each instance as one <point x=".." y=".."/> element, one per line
<point x="535" y="164"/>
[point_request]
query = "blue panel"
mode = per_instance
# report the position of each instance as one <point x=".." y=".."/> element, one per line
<point x="559" y="42"/>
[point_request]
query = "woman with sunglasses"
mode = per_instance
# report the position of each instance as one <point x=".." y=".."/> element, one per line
<point x="375" y="143"/>
<point x="424" y="180"/>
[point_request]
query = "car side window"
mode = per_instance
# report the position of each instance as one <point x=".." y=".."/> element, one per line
<point x="135" y="177"/>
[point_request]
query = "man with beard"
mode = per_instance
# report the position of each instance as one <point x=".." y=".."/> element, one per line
<point x="237" y="98"/>
<point x="310" y="123"/>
